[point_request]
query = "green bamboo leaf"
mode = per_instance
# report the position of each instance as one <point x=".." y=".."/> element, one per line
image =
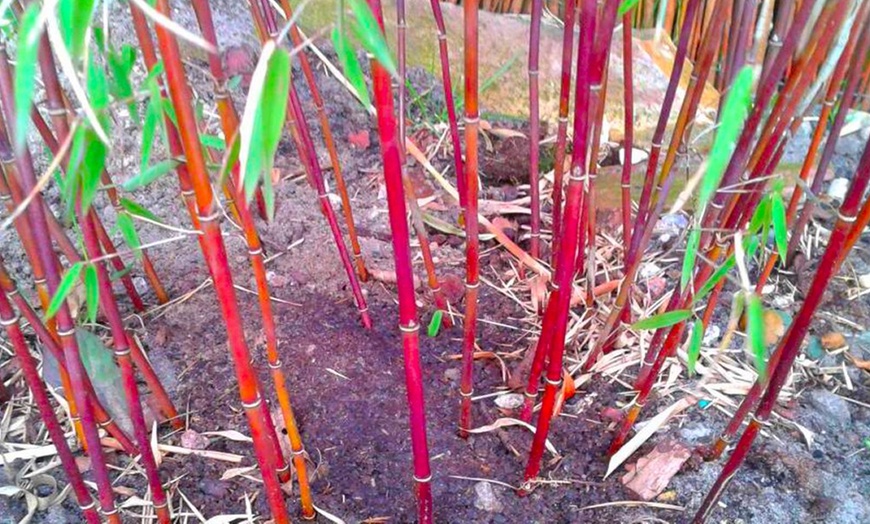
<point x="67" y="284"/>
<point x="92" y="292"/>
<point x="75" y="17"/>
<point x="780" y="231"/>
<point x="661" y="320"/>
<point x="760" y="217"/>
<point x="150" y="175"/>
<point x="695" y="345"/>
<point x="29" y="32"/>
<point x="626" y="6"/>
<point x="755" y="332"/>
<point x="137" y="210"/>
<point x="435" y="323"/>
<point x="351" y="67"/>
<point x="92" y="168"/>
<point x="128" y="231"/>
<point x="121" y="65"/>
<point x="153" y="121"/>
<point x="370" y="35"/>
<point x="692" y="245"/>
<point x="273" y="111"/>
<point x="734" y="113"/>
<point x="234" y="82"/>
<point x="715" y="278"/>
<point x="213" y="142"/>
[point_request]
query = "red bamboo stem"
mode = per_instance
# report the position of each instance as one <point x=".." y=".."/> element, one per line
<point x="123" y="354"/>
<point x="9" y="319"/>
<point x="390" y="150"/>
<point x="535" y="126"/>
<point x="450" y="104"/>
<point x="230" y="125"/>
<point x="562" y="130"/>
<point x="54" y="97"/>
<point x="66" y="326"/>
<point x="472" y="241"/>
<point x="267" y="453"/>
<point x="52" y="342"/>
<point x="329" y="141"/>
<point x="789" y="346"/>
<point x="628" y="109"/>
<point x="571" y="228"/>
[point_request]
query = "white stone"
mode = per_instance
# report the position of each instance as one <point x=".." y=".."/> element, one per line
<point x="637" y="156"/>
<point x="649" y="270"/>
<point x="864" y="281"/>
<point x="509" y="401"/>
<point x="838" y="188"/>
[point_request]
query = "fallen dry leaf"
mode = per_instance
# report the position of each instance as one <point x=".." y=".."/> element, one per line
<point x="650" y="475"/>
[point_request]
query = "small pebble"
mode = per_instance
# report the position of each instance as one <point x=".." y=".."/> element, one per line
<point x="864" y="281"/>
<point x="509" y="401"/>
<point x="838" y="188"/>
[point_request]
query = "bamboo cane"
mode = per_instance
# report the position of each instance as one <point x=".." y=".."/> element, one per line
<point x="390" y="151"/>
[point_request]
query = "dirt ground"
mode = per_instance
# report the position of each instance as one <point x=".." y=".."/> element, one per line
<point x="347" y="383"/>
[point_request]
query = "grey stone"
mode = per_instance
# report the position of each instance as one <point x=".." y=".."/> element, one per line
<point x="486" y="499"/>
<point x="834" y="410"/>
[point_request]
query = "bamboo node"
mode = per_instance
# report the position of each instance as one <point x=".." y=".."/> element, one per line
<point x="471" y="120"/>
<point x="12" y="292"/>
<point x="657" y="144"/>
<point x="58" y="111"/>
<point x="413" y="327"/>
<point x="39" y="281"/>
<point x="210" y="218"/>
<point x="253" y="405"/>
<point x="89" y="506"/>
<point x="595" y="87"/>
<point x="296" y="453"/>
<point x="425" y="479"/>
<point x="106" y="423"/>
<point x="187" y="193"/>
<point x="530" y="394"/>
<point x="255" y="252"/>
<point x="66" y="333"/>
<point x="276" y="365"/>
<point x="845" y="218"/>
<point x="6" y="322"/>
<point x="535" y="234"/>
<point x="472" y="285"/>
<point x="625" y="186"/>
<point x="284" y="468"/>
<point x="122" y="352"/>
<point x="563" y="119"/>
<point x="113" y="511"/>
<point x="727" y="439"/>
<point x="639" y="405"/>
<point x="533" y="72"/>
<point x="467" y="395"/>
<point x="554" y="383"/>
<point x="442" y="36"/>
<point x="161" y="505"/>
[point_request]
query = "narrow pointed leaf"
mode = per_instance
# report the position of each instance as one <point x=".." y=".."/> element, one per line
<point x="369" y="33"/>
<point x="435" y="323"/>
<point x="29" y="32"/>
<point x="694" y="350"/>
<point x="692" y="245"/>
<point x="626" y="6"/>
<point x="780" y="231"/>
<point x="661" y="320"/>
<point x="75" y="17"/>
<point x="755" y="332"/>
<point x="137" y="210"/>
<point x="128" y="231"/>
<point x="150" y="175"/>
<point x="92" y="291"/>
<point x="67" y="284"/>
<point x="351" y="67"/>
